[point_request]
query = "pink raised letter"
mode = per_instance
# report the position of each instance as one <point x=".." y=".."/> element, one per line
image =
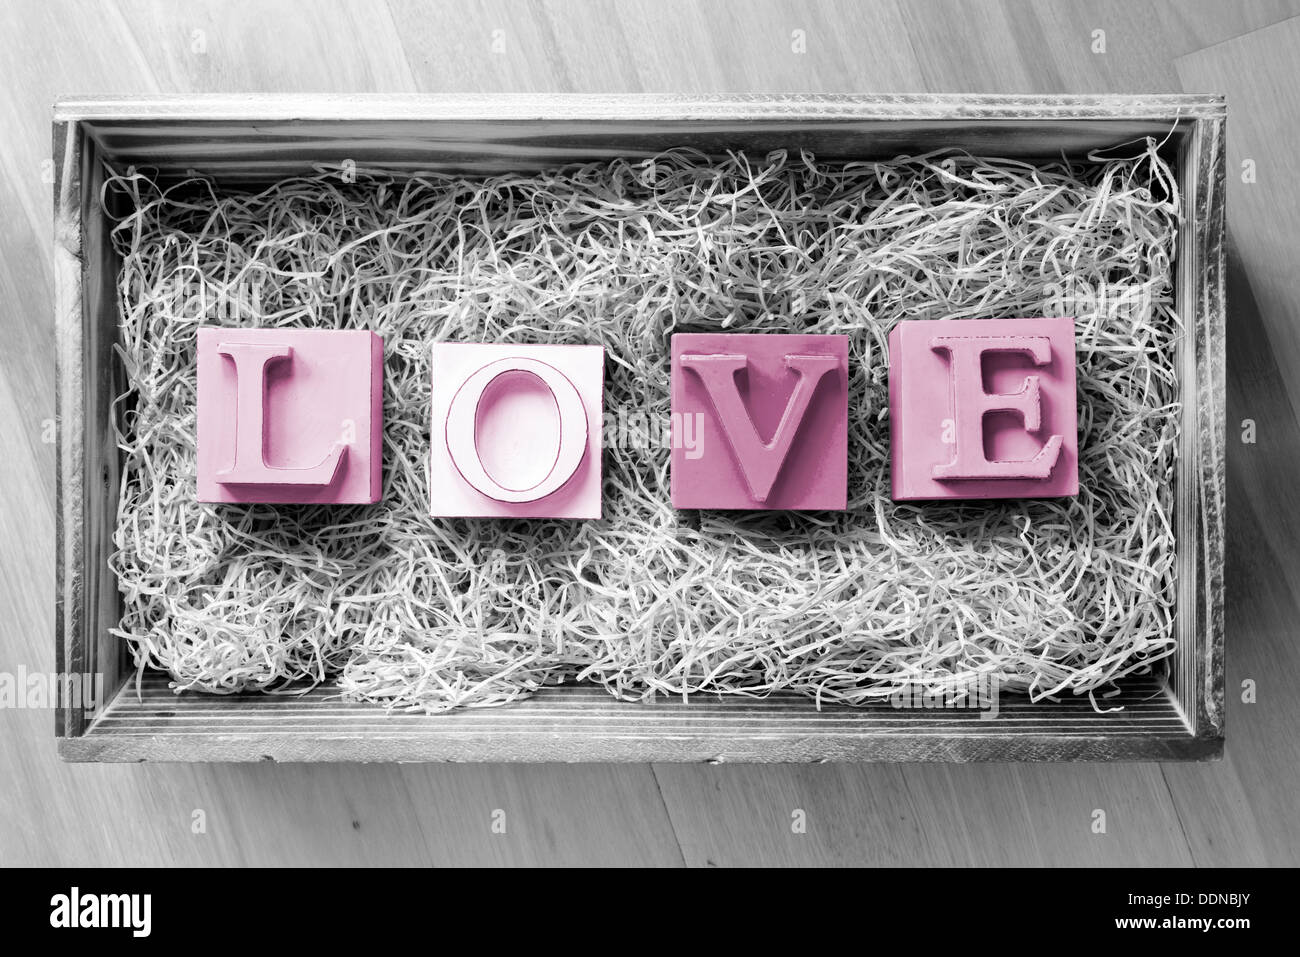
<point x="517" y="431"/>
<point x="734" y="389"/>
<point x="289" y="415"/>
<point x="972" y="403"/>
<point x="983" y="408"/>
<point x="759" y="461"/>
<point x="249" y="467"/>
<point x="462" y="424"/>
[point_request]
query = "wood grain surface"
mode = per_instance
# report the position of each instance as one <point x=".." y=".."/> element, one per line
<point x="1238" y="811"/>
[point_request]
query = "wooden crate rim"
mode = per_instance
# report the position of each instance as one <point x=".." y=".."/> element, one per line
<point x="638" y="106"/>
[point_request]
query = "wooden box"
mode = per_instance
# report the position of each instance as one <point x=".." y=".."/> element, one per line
<point x="1177" y="715"/>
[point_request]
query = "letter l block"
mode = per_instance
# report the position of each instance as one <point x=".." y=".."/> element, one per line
<point x="289" y="416"/>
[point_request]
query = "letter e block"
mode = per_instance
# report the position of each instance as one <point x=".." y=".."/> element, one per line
<point x="290" y="415"/>
<point x="759" y="421"/>
<point x="983" y="408"/>
<point x="516" y="431"/>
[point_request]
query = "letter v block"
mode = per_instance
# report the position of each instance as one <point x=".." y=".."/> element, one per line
<point x="983" y="408"/>
<point x="516" y="431"/>
<point x="768" y="415"/>
<point x="290" y="415"/>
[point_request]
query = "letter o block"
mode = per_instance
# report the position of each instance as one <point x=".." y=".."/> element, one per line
<point x="983" y="408"/>
<point x="289" y="416"/>
<point x="759" y="421"/>
<point x="516" y="431"/>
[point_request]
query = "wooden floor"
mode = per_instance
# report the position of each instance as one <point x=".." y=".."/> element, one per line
<point x="1239" y="811"/>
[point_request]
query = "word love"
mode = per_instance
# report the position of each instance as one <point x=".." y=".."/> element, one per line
<point x="978" y="409"/>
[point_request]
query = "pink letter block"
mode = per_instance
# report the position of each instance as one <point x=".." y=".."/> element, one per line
<point x="983" y="408"/>
<point x="516" y="431"/>
<point x="769" y="417"/>
<point x="290" y="415"/>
